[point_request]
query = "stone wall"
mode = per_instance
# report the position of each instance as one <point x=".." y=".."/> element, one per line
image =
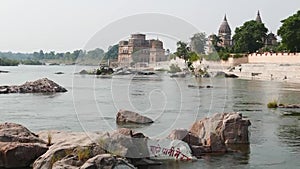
<point x="279" y="58"/>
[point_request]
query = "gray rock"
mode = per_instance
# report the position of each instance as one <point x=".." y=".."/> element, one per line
<point x="18" y="146"/>
<point x="125" y="116"/>
<point x="186" y="136"/>
<point x="39" y="86"/>
<point x="106" y="161"/>
<point x="222" y="129"/>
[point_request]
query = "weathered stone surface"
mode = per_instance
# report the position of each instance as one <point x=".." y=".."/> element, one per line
<point x="119" y="142"/>
<point x="71" y="149"/>
<point x="222" y="129"/>
<point x="106" y="161"/>
<point x="18" y="146"/>
<point x="125" y="116"/>
<point x="186" y="136"/>
<point x="39" y="86"/>
<point x="68" y="144"/>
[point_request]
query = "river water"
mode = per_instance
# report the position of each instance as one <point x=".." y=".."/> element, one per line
<point x="91" y="104"/>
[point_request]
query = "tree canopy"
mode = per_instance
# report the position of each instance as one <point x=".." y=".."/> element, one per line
<point x="112" y="53"/>
<point x="249" y="37"/>
<point x="290" y="32"/>
<point x="198" y="42"/>
<point x="182" y="50"/>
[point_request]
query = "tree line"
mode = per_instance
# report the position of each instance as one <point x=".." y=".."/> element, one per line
<point x="38" y="58"/>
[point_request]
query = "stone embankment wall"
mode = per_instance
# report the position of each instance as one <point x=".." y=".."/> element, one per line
<point x="279" y="58"/>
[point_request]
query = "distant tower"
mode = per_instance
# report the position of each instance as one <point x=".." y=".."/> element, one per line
<point x="258" y="18"/>
<point x="225" y="33"/>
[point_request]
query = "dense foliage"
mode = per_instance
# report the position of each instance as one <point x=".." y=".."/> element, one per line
<point x="249" y="37"/>
<point x="198" y="43"/>
<point x="290" y="33"/>
<point x="8" y="62"/>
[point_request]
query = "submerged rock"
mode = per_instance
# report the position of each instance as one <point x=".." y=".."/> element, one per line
<point x="39" y="86"/>
<point x="125" y="116"/>
<point x="18" y="146"/>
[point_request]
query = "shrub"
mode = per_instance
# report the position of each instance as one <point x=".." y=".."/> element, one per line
<point x="49" y="139"/>
<point x="83" y="154"/>
<point x="272" y="104"/>
<point x="174" y="68"/>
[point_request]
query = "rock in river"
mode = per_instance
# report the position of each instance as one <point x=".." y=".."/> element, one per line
<point x="43" y="85"/>
<point x="222" y="129"/>
<point x="125" y="116"/>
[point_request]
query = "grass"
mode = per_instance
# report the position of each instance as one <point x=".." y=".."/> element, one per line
<point x="272" y="104"/>
<point x="49" y="139"/>
<point x="83" y="154"/>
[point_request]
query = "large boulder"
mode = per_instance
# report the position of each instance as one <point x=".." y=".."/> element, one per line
<point x="125" y="116"/>
<point x="125" y="143"/>
<point x="70" y="149"/>
<point x="19" y="147"/>
<point x="74" y="149"/>
<point x="220" y="130"/>
<point x="43" y="85"/>
<point x="186" y="136"/>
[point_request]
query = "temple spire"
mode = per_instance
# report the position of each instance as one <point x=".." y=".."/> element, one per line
<point x="225" y="19"/>
<point x="258" y="18"/>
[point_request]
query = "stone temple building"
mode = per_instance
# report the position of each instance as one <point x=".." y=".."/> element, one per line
<point x="224" y="34"/>
<point x="138" y="51"/>
<point x="271" y="39"/>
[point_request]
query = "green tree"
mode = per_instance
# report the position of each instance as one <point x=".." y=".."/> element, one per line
<point x="249" y="37"/>
<point x="198" y="42"/>
<point x="112" y="53"/>
<point x="182" y="50"/>
<point x="290" y="33"/>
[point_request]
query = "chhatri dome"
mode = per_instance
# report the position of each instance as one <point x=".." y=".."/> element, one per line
<point x="224" y="28"/>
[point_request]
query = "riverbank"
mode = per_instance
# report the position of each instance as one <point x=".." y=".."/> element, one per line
<point x="220" y="133"/>
<point x="288" y="73"/>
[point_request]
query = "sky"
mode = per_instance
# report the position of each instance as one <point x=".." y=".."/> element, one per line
<point x="67" y="25"/>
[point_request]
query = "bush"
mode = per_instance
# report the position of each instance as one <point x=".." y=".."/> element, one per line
<point x="272" y="104"/>
<point x="174" y="68"/>
<point x="83" y="154"/>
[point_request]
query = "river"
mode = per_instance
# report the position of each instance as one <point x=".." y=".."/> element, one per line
<point x="91" y="104"/>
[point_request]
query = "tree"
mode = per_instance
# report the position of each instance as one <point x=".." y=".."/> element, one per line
<point x="182" y="50"/>
<point x="215" y="41"/>
<point x="249" y="37"/>
<point x="198" y="42"/>
<point x="112" y="53"/>
<point x="290" y="32"/>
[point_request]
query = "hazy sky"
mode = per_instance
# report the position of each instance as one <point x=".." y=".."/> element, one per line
<point x="66" y="25"/>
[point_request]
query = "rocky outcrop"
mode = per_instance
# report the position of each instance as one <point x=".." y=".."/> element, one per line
<point x="289" y="106"/>
<point x="107" y="160"/>
<point x="39" y="86"/>
<point x="186" y="136"/>
<point x="70" y="149"/>
<point x="200" y="87"/>
<point x="214" y="134"/>
<point x="125" y="116"/>
<point x="222" y="129"/>
<point x="18" y="146"/>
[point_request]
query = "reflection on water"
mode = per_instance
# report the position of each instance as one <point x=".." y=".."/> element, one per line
<point x="289" y="132"/>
